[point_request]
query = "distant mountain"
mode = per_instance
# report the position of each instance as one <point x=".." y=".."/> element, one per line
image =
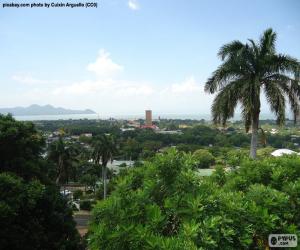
<point x="43" y="110"/>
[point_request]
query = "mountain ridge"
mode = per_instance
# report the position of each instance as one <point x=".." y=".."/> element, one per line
<point x="48" y="109"/>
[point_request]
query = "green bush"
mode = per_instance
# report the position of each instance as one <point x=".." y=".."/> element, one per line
<point x="234" y="157"/>
<point x="264" y="152"/>
<point x="34" y="216"/>
<point x="166" y="205"/>
<point x="77" y="194"/>
<point x="33" y="213"/>
<point x="203" y="158"/>
<point x="86" y="204"/>
<point x="110" y="186"/>
<point x="89" y="192"/>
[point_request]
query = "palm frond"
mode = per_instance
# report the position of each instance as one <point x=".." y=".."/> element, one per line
<point x="267" y="42"/>
<point x="227" y="72"/>
<point x="226" y="101"/>
<point x="230" y="49"/>
<point x="283" y="64"/>
<point x="247" y="117"/>
<point x="255" y="48"/>
<point x="276" y="100"/>
<point x="292" y="91"/>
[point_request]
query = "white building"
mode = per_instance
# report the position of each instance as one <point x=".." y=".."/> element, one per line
<point x="283" y="151"/>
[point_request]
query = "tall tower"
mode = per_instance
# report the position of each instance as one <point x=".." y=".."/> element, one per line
<point x="148" y="117"/>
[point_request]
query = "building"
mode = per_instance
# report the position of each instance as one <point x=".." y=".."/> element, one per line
<point x="148" y="121"/>
<point x="170" y="132"/>
<point x="184" y="126"/>
<point x="283" y="151"/>
<point x="148" y="117"/>
<point x="89" y="135"/>
<point x="127" y="129"/>
<point x="133" y="124"/>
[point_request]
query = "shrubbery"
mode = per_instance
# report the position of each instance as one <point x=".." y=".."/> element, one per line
<point x="33" y="213"/>
<point x="77" y="194"/>
<point x="165" y="205"/>
<point x="204" y="158"/>
<point x="34" y="216"/>
<point x="86" y="205"/>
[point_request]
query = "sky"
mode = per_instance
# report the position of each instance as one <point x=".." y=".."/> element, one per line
<point x="130" y="55"/>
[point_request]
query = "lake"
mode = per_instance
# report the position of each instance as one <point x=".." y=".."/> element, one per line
<point x="207" y="117"/>
<point x="96" y="116"/>
<point x="55" y="117"/>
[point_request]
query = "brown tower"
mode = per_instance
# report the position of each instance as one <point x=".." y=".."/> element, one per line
<point x="148" y="117"/>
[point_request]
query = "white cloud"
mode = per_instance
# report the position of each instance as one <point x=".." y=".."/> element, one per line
<point x="133" y="4"/>
<point x="114" y="96"/>
<point x="104" y="66"/>
<point x="111" y="88"/>
<point x="189" y="85"/>
<point x="134" y="89"/>
<point x="81" y="88"/>
<point x="28" y="79"/>
<point x="111" y="95"/>
<point x="186" y="97"/>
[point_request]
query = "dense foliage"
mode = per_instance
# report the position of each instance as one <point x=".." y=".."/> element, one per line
<point x="20" y="148"/>
<point x="166" y="205"/>
<point x="145" y="143"/>
<point x="204" y="158"/>
<point x="33" y="214"/>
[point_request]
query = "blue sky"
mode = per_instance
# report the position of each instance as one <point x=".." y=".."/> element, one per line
<point x="127" y="56"/>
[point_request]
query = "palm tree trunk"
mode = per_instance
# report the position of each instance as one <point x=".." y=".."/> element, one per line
<point x="103" y="178"/>
<point x="104" y="183"/>
<point x="59" y="170"/>
<point x="57" y="180"/>
<point x="254" y="137"/>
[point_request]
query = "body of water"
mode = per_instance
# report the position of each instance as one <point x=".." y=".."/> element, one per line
<point x="55" y="117"/>
<point x="96" y="116"/>
<point x="207" y="117"/>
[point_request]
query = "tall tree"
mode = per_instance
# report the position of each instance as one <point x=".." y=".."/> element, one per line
<point x="247" y="71"/>
<point x="63" y="155"/>
<point x="104" y="151"/>
<point x="33" y="214"/>
<point x="20" y="148"/>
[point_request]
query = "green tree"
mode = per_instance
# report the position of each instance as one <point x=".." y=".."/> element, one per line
<point x="235" y="156"/>
<point x="33" y="214"/>
<point x="166" y="205"/>
<point x="131" y="149"/>
<point x="247" y="71"/>
<point x="204" y="159"/>
<point x="20" y="148"/>
<point x="89" y="181"/>
<point x="63" y="154"/>
<point x="104" y="149"/>
<point x="264" y="152"/>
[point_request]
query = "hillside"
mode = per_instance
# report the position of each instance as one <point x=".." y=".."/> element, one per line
<point x="43" y="110"/>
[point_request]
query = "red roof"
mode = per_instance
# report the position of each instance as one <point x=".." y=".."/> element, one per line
<point x="149" y="126"/>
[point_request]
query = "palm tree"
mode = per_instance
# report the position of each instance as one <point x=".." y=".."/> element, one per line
<point x="247" y="71"/>
<point x="104" y="150"/>
<point x="63" y="155"/>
